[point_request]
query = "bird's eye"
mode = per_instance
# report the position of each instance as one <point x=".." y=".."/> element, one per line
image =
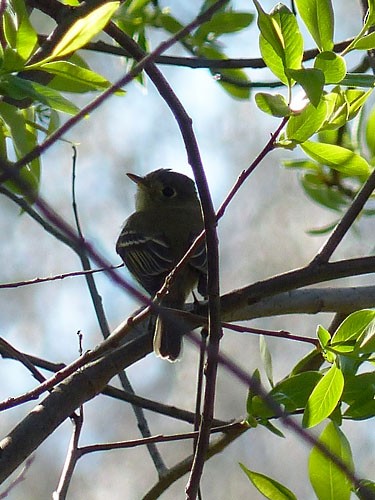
<point x="169" y="192"/>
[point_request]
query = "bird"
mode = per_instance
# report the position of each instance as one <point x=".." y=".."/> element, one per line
<point x="166" y="221"/>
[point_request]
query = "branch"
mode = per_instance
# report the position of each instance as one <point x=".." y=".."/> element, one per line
<point x="311" y="274"/>
<point x="203" y="62"/>
<point x="85" y="384"/>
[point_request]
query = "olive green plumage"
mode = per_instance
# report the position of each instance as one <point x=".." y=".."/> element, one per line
<point x="155" y="237"/>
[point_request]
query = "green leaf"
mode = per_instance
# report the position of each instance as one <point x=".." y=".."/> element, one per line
<point x="267" y="486"/>
<point x="281" y="43"/>
<point x="332" y="65"/>
<point x="12" y="61"/>
<point x="223" y="22"/>
<point x="10" y="29"/>
<point x="366" y="42"/>
<point x="136" y="6"/>
<point x="366" y="342"/>
<point x="343" y="106"/>
<point x="312" y="361"/>
<point x="324" y="398"/>
<point x="327" y="479"/>
<point x="238" y="84"/>
<point x="251" y="393"/>
<point x="358" y="80"/>
<point x="272" y="428"/>
<point x="20" y="88"/>
<point x="293" y="393"/>
<point x="356" y="99"/>
<point x="303" y="125"/>
<point x="169" y="23"/>
<point x="323" y="335"/>
<point x="319" y="20"/>
<point x="323" y="229"/>
<point x="370" y="132"/>
<point x="266" y="358"/>
<point x="27" y="38"/>
<point x="337" y="158"/>
<point x="366" y="490"/>
<point x="312" y="82"/>
<point x="72" y="78"/>
<point x="82" y="31"/>
<point x="324" y="338"/>
<point x="273" y="104"/>
<point x="352" y="329"/>
<point x="359" y="394"/>
<point x="235" y="82"/>
<point x="23" y="140"/>
<point x="324" y="195"/>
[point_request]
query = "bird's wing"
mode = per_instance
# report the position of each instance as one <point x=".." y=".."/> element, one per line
<point x="199" y="261"/>
<point x="148" y="258"/>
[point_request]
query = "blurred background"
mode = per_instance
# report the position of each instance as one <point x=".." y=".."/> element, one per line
<point x="264" y="232"/>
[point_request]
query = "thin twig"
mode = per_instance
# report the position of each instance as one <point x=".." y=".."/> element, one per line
<point x="161" y="438"/>
<point x="71" y="459"/>
<point x="280" y="334"/>
<point x="36" y="281"/>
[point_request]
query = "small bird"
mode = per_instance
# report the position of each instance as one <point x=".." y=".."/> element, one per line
<point x="155" y="237"/>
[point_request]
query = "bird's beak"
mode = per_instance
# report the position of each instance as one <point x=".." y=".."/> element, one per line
<point x="136" y="178"/>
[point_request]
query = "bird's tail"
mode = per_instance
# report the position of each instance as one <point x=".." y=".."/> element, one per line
<point x="167" y="336"/>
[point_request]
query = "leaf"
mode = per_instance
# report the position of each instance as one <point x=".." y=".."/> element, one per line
<point x="366" y="42"/>
<point x="267" y="486"/>
<point x="356" y="99"/>
<point x="266" y="358"/>
<point x="281" y="43"/>
<point x="72" y="78"/>
<point x="319" y="20"/>
<point x="332" y="65"/>
<point x="273" y="104"/>
<point x="23" y="142"/>
<point x="322" y="194"/>
<point x="324" y="338"/>
<point x="235" y="82"/>
<point x="352" y="329"/>
<point x="327" y="479"/>
<point x="358" y="80"/>
<point x="324" y="398"/>
<point x="10" y="30"/>
<point x="82" y="31"/>
<point x="359" y="393"/>
<point x="293" y="393"/>
<point x="136" y="5"/>
<point x="251" y="393"/>
<point x="223" y="22"/>
<point x="366" y="342"/>
<point x="323" y="229"/>
<point x="303" y="125"/>
<point x="312" y="82"/>
<point x="312" y="361"/>
<point x="337" y="158"/>
<point x="370" y="132"/>
<point x="272" y="428"/>
<point x="27" y="38"/>
<point x="366" y="490"/>
<point x="240" y="87"/>
<point x="20" y="88"/>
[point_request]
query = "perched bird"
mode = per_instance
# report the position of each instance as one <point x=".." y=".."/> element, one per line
<point x="155" y="237"/>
